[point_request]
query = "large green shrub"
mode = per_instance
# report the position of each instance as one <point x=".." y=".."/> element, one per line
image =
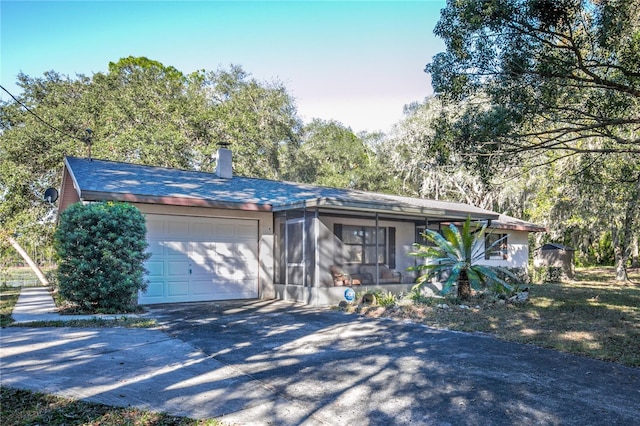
<point x="457" y="255"/>
<point x="101" y="249"/>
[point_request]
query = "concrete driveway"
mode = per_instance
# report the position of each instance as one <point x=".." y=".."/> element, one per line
<point x="277" y="363"/>
<point x="345" y="369"/>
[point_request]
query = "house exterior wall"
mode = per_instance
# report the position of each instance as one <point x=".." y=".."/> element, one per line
<point x="517" y="250"/>
<point x="68" y="192"/>
<point x="266" y="288"/>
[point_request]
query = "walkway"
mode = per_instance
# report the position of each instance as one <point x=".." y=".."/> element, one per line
<point x="37" y="304"/>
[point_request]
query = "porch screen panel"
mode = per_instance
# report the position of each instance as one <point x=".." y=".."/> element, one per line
<point x="392" y="247"/>
<point x="295" y="252"/>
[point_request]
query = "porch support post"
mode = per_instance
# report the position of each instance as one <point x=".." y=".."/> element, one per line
<point x="316" y="232"/>
<point x="286" y="253"/>
<point x="377" y="254"/>
<point x="305" y="283"/>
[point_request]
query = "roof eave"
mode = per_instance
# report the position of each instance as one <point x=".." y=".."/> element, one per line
<point x="527" y="228"/>
<point x="172" y="201"/>
<point x="384" y="208"/>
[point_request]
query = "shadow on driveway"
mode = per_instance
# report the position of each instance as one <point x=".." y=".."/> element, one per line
<point x="344" y="369"/>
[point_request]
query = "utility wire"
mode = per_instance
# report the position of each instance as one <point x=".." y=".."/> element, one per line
<point x="41" y="120"/>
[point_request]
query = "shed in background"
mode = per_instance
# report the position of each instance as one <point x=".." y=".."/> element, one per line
<point x="554" y="255"/>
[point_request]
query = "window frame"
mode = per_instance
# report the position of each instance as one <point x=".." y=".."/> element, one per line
<point x="386" y="248"/>
<point x="366" y="247"/>
<point x="499" y="252"/>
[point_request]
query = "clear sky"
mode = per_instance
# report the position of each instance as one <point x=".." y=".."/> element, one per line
<point x="356" y="62"/>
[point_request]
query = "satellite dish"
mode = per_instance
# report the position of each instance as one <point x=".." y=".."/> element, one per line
<point x="51" y="195"/>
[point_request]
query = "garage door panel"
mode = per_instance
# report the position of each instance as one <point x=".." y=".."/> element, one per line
<point x="203" y="287"/>
<point x="198" y="230"/>
<point x="155" y="269"/>
<point x="177" y="288"/>
<point x="156" y="248"/>
<point x="175" y="248"/>
<point x="155" y="289"/>
<point x="245" y="231"/>
<point x="199" y="259"/>
<point x="178" y="268"/>
<point x="203" y="253"/>
<point x="224" y="232"/>
<point x="177" y="227"/>
<point x="155" y="226"/>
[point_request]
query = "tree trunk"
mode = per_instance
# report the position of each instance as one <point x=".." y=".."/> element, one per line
<point x="464" y="287"/>
<point x="621" y="268"/>
<point x="635" y="258"/>
<point x="622" y="247"/>
<point x="36" y="270"/>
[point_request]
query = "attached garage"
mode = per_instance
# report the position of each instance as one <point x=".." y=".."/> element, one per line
<point x="195" y="259"/>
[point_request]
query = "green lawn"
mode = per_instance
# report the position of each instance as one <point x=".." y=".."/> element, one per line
<point x="21" y="407"/>
<point x="8" y="298"/>
<point x="19" y="276"/>
<point x="593" y="315"/>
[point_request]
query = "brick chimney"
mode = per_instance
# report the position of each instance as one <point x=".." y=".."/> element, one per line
<point x="224" y="164"/>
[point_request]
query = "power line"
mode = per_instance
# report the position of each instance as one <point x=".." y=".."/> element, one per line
<point x="42" y="120"/>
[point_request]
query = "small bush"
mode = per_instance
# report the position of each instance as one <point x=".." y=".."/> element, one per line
<point x="419" y="298"/>
<point x="382" y="298"/>
<point x="548" y="274"/>
<point x="101" y="247"/>
<point x="386" y="299"/>
<point x="516" y="277"/>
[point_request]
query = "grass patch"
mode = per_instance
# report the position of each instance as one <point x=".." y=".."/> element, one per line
<point x="126" y="322"/>
<point x="20" y="276"/>
<point x="22" y="407"/>
<point x="593" y="316"/>
<point x="8" y="298"/>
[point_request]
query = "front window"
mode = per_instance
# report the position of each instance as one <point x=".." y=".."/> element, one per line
<point x="495" y="247"/>
<point x="361" y="244"/>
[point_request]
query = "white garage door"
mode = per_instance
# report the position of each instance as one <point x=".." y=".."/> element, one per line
<point x="197" y="259"/>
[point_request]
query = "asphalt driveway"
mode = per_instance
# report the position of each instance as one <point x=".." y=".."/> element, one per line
<point x="278" y="363"/>
<point x="345" y="369"/>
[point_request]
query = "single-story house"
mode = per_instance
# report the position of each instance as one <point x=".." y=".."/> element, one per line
<point x="215" y="236"/>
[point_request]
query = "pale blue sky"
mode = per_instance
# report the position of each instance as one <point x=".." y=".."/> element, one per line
<point x="355" y="62"/>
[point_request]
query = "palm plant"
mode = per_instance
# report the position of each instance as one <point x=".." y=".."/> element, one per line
<point x="457" y="253"/>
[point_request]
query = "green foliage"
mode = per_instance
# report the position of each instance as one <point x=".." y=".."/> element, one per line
<point x="101" y="247"/>
<point x="456" y="254"/>
<point x="8" y="299"/>
<point x="380" y="297"/>
<point x="516" y="277"/>
<point x="384" y="298"/>
<point x="420" y="298"/>
<point x="258" y="119"/>
<point x="332" y="155"/>
<point x="547" y="274"/>
<point x="139" y="111"/>
<point x="24" y="407"/>
<point x="537" y="82"/>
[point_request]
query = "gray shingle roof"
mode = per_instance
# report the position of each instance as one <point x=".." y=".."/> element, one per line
<point x="508" y="222"/>
<point x="109" y="180"/>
